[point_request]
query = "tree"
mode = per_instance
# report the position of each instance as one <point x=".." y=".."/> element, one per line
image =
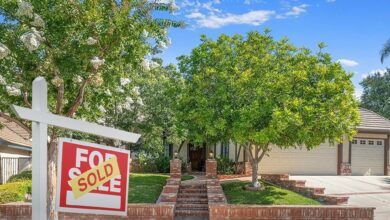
<point x="84" y="49"/>
<point x="260" y="92"/>
<point x="376" y="93"/>
<point x="208" y="100"/>
<point x="385" y="52"/>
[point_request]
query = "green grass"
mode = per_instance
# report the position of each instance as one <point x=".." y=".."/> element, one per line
<point x="186" y="177"/>
<point x="145" y="188"/>
<point x="235" y="194"/>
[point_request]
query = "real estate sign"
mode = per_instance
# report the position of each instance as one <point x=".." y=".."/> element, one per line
<point x="92" y="178"/>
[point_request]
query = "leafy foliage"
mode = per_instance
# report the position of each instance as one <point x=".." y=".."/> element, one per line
<point x="258" y="91"/>
<point x="376" y="93"/>
<point x="98" y="57"/>
<point x="163" y="164"/>
<point x="385" y="52"/>
<point x="225" y="165"/>
<point x="14" y="191"/>
<point x="25" y="175"/>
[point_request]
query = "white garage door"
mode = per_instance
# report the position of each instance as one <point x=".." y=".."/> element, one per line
<point x="367" y="157"/>
<point x="321" y="160"/>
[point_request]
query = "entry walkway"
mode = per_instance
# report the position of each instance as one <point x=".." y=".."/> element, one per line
<point x="370" y="191"/>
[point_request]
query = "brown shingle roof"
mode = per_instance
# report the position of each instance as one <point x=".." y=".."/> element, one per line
<point x="14" y="132"/>
<point x="373" y="121"/>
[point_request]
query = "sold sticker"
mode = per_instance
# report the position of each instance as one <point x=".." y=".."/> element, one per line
<point x="92" y="178"/>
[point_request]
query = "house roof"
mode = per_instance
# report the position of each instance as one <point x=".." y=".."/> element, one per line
<point x="14" y="132"/>
<point x="373" y="121"/>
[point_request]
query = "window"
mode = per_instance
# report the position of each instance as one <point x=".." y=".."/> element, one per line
<point x="379" y="143"/>
<point x="370" y="142"/>
<point x="224" y="149"/>
<point x="354" y="141"/>
<point x="362" y="141"/>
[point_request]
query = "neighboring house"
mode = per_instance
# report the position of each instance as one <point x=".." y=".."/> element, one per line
<point x="15" y="147"/>
<point x="366" y="154"/>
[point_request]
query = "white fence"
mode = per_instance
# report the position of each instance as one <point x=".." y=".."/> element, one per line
<point x="10" y="166"/>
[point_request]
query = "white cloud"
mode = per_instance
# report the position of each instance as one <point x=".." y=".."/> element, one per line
<point x="254" y="18"/>
<point x="294" y="12"/>
<point x="330" y="1"/>
<point x="372" y="72"/>
<point x="349" y="63"/>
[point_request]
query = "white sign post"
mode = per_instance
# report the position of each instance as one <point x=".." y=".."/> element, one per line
<point x="41" y="118"/>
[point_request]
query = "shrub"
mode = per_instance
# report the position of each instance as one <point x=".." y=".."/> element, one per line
<point x="225" y="165"/>
<point x="162" y="164"/>
<point x="184" y="165"/>
<point x="147" y="164"/>
<point x="14" y="191"/>
<point x="25" y="175"/>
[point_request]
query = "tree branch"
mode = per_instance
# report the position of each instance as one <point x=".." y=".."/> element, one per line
<point x="25" y="99"/>
<point x="249" y="148"/>
<point x="181" y="146"/>
<point x="263" y="153"/>
<point x="60" y="98"/>
<point x="79" y="99"/>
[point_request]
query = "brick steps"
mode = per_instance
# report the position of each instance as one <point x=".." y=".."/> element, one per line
<point x="192" y="195"/>
<point x="190" y="190"/>
<point x="192" y="202"/>
<point x="201" y="206"/>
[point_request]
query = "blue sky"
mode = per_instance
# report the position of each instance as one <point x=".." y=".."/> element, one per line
<point x="354" y="30"/>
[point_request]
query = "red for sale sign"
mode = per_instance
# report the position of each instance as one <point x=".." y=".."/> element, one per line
<point x="92" y="178"/>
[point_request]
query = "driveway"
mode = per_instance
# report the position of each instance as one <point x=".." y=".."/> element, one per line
<point x="370" y="191"/>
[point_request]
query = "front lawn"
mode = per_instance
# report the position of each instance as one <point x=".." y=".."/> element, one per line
<point x="145" y="188"/>
<point x="235" y="194"/>
<point x="186" y="177"/>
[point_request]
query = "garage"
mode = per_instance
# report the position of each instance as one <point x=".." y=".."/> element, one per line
<point x="321" y="160"/>
<point x="367" y="157"/>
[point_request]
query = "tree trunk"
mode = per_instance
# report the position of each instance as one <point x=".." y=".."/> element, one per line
<point x="52" y="179"/>
<point x="255" y="176"/>
<point x="237" y="153"/>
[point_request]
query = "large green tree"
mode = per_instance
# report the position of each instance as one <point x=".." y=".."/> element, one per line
<point x="376" y="93"/>
<point x="261" y="92"/>
<point x="86" y="50"/>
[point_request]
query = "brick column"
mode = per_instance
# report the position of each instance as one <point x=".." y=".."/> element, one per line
<point x="345" y="169"/>
<point x="211" y="169"/>
<point x="248" y="168"/>
<point x="175" y="168"/>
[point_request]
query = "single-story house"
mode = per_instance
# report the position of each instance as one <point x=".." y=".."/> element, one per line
<point x="366" y="154"/>
<point x="15" y="147"/>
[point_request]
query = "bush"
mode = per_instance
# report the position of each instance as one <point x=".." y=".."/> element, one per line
<point x="162" y="164"/>
<point x="25" y="175"/>
<point x="184" y="165"/>
<point x="147" y="164"/>
<point x="14" y="191"/>
<point x="225" y="165"/>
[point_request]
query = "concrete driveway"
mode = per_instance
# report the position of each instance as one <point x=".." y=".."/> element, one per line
<point x="369" y="191"/>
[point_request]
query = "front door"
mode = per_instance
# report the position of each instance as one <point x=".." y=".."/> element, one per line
<point x="197" y="157"/>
